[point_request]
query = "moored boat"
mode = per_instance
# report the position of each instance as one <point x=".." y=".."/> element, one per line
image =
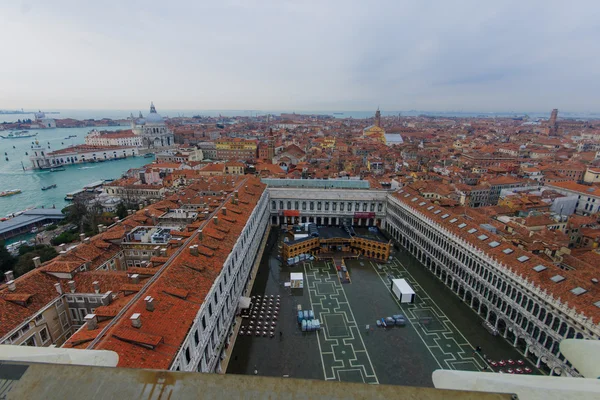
<point x="18" y="135"/>
<point x="10" y="192"/>
<point x="49" y="187"/>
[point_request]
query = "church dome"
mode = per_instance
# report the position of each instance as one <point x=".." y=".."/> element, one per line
<point x="154" y="117"/>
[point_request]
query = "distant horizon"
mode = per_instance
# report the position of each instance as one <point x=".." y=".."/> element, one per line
<point x="297" y="111"/>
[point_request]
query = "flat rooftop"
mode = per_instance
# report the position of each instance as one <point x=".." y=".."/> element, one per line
<point x="318" y="183"/>
<point x="36" y="381"/>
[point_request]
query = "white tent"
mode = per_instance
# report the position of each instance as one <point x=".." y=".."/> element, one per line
<point x="297" y="280"/>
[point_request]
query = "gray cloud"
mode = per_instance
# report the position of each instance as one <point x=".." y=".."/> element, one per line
<point x="302" y="55"/>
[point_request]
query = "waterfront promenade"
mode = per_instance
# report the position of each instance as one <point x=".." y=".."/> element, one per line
<point x="73" y="178"/>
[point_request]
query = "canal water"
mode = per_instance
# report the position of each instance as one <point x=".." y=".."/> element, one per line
<point x="12" y="175"/>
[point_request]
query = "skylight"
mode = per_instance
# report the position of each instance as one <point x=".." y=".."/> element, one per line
<point x="414" y="199"/>
<point x="523" y="258"/>
<point x="597" y="304"/>
<point x="407" y="195"/>
<point x="445" y="216"/>
<point x="539" y="268"/>
<point x="557" y="278"/>
<point x="400" y="191"/>
<point x="472" y="230"/>
<point x="494" y="244"/>
<point x="482" y="237"/>
<point x="507" y="251"/>
<point x="430" y="208"/>
<point x="462" y="225"/>
<point x="422" y="203"/>
<point x="578" y="290"/>
<point x="453" y="220"/>
<point x="437" y="211"/>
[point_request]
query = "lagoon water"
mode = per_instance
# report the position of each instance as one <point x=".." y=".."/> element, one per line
<point x="12" y="175"/>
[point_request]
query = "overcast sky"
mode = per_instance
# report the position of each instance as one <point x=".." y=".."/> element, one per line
<point x="302" y="54"/>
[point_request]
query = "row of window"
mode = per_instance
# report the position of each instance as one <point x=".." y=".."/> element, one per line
<point x="223" y="300"/>
<point x="78" y="314"/>
<point x="540" y="335"/>
<point x="81" y="299"/>
<point x="343" y="206"/>
<point x="525" y="303"/>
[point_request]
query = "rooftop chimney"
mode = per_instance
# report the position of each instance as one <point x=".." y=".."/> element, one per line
<point x="58" y="288"/>
<point x="71" y="286"/>
<point x="106" y="299"/>
<point x="86" y="240"/>
<point x="200" y="236"/>
<point x="136" y="320"/>
<point x="194" y="250"/>
<point x="12" y="286"/>
<point x="100" y="228"/>
<point x="91" y="321"/>
<point x="224" y="211"/>
<point x="216" y="220"/>
<point x="140" y="206"/>
<point x="62" y="247"/>
<point x="149" y="303"/>
<point x="135" y="278"/>
<point x="163" y="251"/>
<point x="235" y="194"/>
<point x="129" y="212"/>
<point x="81" y="237"/>
<point x="96" y="286"/>
<point x="37" y="262"/>
<point x="9" y="275"/>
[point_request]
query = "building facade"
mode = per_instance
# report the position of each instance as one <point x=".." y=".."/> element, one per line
<point x="518" y="308"/>
<point x="327" y="207"/>
<point x="199" y="280"/>
<point x="120" y="138"/>
<point x="152" y="129"/>
<point x="236" y="149"/>
<point x="80" y="154"/>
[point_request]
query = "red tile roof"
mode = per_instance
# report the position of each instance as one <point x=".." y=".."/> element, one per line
<point x="583" y="303"/>
<point x="180" y="290"/>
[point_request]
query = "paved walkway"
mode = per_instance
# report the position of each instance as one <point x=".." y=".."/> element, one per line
<point x="343" y="352"/>
<point x="441" y="337"/>
<point x="349" y="346"/>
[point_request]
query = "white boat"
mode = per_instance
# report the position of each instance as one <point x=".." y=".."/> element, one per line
<point x="18" y="135"/>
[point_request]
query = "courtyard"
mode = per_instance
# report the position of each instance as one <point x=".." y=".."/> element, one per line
<point x="441" y="332"/>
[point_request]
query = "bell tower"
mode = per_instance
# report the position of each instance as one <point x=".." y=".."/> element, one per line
<point x="378" y="118"/>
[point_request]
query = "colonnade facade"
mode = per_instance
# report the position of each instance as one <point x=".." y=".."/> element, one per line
<point x="329" y="207"/>
<point x="528" y="318"/>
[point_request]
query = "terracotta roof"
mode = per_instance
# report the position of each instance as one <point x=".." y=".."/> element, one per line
<point x="583" y="303"/>
<point x="39" y="289"/>
<point x="181" y="289"/>
<point x="576" y="187"/>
